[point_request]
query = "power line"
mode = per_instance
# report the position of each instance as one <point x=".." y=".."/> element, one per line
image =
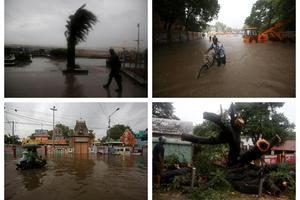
<point x="26" y="117"/>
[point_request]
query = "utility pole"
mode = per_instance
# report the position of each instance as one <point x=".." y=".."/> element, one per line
<point x="110" y="116"/>
<point x="138" y="44"/>
<point x="53" y="109"/>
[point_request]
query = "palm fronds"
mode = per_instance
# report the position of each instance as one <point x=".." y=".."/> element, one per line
<point x="79" y="24"/>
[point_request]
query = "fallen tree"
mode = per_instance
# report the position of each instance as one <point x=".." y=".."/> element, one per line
<point x="244" y="176"/>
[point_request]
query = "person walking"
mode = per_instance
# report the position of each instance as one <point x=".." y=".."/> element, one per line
<point x="115" y="66"/>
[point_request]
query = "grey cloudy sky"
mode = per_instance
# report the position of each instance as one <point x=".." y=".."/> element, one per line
<point x="234" y="12"/>
<point x="193" y="111"/>
<point x="42" y="22"/>
<point x="31" y="116"/>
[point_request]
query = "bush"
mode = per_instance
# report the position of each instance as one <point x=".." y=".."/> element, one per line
<point x="287" y="173"/>
<point x="58" y="53"/>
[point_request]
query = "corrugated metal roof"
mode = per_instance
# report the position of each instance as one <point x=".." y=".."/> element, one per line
<point x="288" y="145"/>
<point x="171" y="127"/>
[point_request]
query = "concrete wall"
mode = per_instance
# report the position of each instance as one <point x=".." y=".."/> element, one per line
<point x="180" y="148"/>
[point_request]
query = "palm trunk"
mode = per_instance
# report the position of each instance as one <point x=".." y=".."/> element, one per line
<point x="71" y="56"/>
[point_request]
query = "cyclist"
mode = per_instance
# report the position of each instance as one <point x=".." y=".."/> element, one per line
<point x="219" y="51"/>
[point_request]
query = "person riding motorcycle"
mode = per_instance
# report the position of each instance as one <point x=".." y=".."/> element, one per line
<point x="219" y="50"/>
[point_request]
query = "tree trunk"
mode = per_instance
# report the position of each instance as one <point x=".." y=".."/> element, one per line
<point x="256" y="153"/>
<point x="71" y="56"/>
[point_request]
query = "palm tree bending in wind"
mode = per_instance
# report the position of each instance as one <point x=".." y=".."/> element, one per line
<point x="78" y="27"/>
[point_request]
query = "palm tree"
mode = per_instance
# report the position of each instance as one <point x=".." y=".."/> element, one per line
<point x="78" y="27"/>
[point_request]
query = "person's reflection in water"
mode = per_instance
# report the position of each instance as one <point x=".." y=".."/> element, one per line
<point x="72" y="87"/>
<point x="32" y="179"/>
<point x="108" y="94"/>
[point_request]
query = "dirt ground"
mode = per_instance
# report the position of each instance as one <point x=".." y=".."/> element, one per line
<point x="252" y="70"/>
<point x="232" y="196"/>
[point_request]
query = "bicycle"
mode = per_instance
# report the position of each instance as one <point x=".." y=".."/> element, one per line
<point x="208" y="60"/>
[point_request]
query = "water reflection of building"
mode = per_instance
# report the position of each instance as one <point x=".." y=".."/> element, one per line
<point x="81" y="138"/>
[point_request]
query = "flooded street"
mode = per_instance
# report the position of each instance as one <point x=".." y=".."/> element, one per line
<point x="44" y="78"/>
<point x="80" y="177"/>
<point x="252" y="70"/>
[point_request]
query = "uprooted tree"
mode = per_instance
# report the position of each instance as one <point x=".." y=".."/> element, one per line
<point x="239" y="169"/>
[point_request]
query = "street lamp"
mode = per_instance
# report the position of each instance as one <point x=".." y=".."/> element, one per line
<point x="53" y="109"/>
<point x="110" y="116"/>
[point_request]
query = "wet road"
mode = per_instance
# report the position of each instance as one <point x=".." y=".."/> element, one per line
<point x="44" y="78"/>
<point x="80" y="177"/>
<point x="253" y="70"/>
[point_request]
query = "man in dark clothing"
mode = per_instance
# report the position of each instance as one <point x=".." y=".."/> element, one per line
<point x="158" y="159"/>
<point x="115" y="66"/>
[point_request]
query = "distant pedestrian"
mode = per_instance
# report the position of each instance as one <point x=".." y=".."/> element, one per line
<point x="210" y="38"/>
<point x="115" y="66"/>
<point x="158" y="159"/>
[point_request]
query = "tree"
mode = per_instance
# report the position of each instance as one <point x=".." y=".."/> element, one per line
<point x="169" y="11"/>
<point x="78" y="27"/>
<point x="193" y="14"/>
<point x="116" y="131"/>
<point x="265" y="13"/>
<point x="65" y="130"/>
<point x="220" y="27"/>
<point x="200" y="11"/>
<point x="264" y="119"/>
<point x="163" y="110"/>
<point x="10" y="139"/>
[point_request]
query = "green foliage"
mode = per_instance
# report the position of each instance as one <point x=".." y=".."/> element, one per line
<point x="193" y="14"/>
<point x="208" y="194"/>
<point x="263" y="118"/>
<point x="171" y="160"/>
<point x="216" y="188"/>
<point x="287" y="173"/>
<point x="9" y="139"/>
<point x="65" y="130"/>
<point x="116" y="131"/>
<point x="206" y="155"/>
<point x="58" y="53"/>
<point x="163" y="110"/>
<point x="265" y="13"/>
<point x="199" y="12"/>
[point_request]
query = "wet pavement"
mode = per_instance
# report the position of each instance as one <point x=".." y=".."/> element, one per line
<point x="79" y="177"/>
<point x="252" y="70"/>
<point x="44" y="78"/>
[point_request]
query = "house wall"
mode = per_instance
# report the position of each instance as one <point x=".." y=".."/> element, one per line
<point x="182" y="149"/>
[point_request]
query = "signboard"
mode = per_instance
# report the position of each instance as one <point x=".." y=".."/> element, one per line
<point x="81" y="139"/>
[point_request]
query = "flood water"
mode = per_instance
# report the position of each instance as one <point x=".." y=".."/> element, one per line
<point x="252" y="70"/>
<point x="42" y="64"/>
<point x="79" y="177"/>
<point x="44" y="77"/>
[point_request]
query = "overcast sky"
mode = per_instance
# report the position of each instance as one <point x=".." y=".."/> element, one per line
<point x="234" y="12"/>
<point x="31" y="116"/>
<point x="193" y="111"/>
<point x="42" y="22"/>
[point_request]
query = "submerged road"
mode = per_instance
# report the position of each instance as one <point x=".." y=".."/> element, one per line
<point x="252" y="70"/>
<point x="77" y="177"/>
